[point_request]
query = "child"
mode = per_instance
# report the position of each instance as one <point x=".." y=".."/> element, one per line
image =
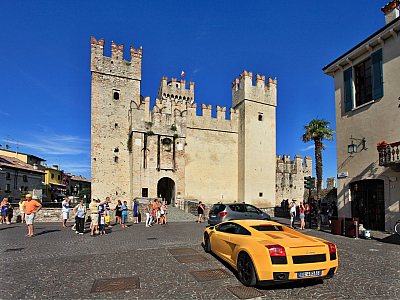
<point x="102" y="224"/>
<point x="124" y="209"/>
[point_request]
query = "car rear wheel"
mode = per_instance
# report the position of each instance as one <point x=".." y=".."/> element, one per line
<point x="207" y="244"/>
<point x="246" y="271"/>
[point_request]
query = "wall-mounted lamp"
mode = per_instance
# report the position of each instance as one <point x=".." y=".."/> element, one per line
<point x="352" y="148"/>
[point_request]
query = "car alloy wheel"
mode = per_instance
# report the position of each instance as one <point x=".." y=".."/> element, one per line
<point x="207" y="244"/>
<point x="246" y="272"/>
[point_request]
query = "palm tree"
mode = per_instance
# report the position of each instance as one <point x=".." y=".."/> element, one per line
<point x="317" y="130"/>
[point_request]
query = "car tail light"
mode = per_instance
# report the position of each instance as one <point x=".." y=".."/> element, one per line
<point x="276" y="250"/>
<point x="223" y="214"/>
<point x="332" y="247"/>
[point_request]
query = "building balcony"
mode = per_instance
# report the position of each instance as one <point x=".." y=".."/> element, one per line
<point x="389" y="154"/>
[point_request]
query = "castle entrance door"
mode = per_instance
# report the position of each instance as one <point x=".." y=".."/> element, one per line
<point x="166" y="188"/>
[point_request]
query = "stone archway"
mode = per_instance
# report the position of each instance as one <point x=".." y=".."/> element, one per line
<point x="166" y="188"/>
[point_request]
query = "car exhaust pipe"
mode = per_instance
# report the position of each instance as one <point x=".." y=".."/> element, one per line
<point x="281" y="276"/>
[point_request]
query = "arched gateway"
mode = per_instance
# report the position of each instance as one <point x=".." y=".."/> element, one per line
<point x="166" y="188"/>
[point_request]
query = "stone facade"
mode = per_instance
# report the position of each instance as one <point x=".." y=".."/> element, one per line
<point x="170" y="152"/>
<point x="290" y="177"/>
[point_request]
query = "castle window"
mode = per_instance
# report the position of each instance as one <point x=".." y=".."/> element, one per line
<point x="260" y="117"/>
<point x="116" y="149"/>
<point x="166" y="144"/>
<point x="116" y="95"/>
<point x="260" y="194"/>
<point x="116" y="159"/>
<point x="116" y="125"/>
<point x="145" y="192"/>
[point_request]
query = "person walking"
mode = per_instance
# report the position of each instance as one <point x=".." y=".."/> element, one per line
<point x="155" y="208"/>
<point x="80" y="213"/>
<point x="65" y="211"/>
<point x="124" y="209"/>
<point x="148" y="214"/>
<point x="302" y="216"/>
<point x="21" y="209"/>
<point x="292" y="208"/>
<point x="31" y="207"/>
<point x="135" y="211"/>
<point x="200" y="212"/>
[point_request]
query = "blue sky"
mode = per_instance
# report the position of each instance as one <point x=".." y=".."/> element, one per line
<point x="45" y="62"/>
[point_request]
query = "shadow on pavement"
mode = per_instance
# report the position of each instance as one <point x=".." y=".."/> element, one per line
<point x="8" y="227"/>
<point x="47" y="231"/>
<point x="392" y="239"/>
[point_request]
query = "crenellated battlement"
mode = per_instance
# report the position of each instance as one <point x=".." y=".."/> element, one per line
<point x="175" y="89"/>
<point x="115" y="65"/>
<point x="263" y="92"/>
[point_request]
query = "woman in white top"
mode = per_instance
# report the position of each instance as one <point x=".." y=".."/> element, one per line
<point x="292" y="208"/>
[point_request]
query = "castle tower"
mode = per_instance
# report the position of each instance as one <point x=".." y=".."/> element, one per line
<point x="115" y="83"/>
<point x="256" y="138"/>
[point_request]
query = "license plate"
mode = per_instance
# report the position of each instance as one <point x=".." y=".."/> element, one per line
<point x="309" y="274"/>
<point x="212" y="216"/>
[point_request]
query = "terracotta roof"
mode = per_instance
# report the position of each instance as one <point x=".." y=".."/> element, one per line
<point x="16" y="163"/>
<point x="79" y="178"/>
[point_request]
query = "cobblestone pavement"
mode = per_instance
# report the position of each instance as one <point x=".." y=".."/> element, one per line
<point x="60" y="264"/>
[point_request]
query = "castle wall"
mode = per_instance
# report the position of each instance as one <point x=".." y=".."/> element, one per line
<point x="290" y="177"/>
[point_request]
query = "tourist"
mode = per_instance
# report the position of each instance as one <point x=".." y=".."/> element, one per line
<point x="21" y="209"/>
<point x="118" y="212"/>
<point x="302" y="216"/>
<point x="162" y="214"/>
<point x="135" y="212"/>
<point x="31" y="207"/>
<point x="200" y="212"/>
<point x="103" y="209"/>
<point x="65" y="211"/>
<point x="102" y="223"/>
<point x="148" y="214"/>
<point x="4" y="211"/>
<point x="94" y="214"/>
<point x="292" y="208"/>
<point x="124" y="209"/>
<point x="80" y="213"/>
<point x="155" y="208"/>
<point x="10" y="212"/>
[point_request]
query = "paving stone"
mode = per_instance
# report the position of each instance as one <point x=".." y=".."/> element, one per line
<point x="59" y="264"/>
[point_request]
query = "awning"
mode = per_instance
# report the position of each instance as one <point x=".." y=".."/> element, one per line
<point x="60" y="195"/>
<point x="44" y="196"/>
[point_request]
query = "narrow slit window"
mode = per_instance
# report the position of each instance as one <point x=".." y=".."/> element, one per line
<point x="116" y="159"/>
<point x="260" y="117"/>
<point x="116" y="95"/>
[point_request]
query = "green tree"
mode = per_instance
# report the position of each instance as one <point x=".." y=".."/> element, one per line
<point x="317" y="130"/>
<point x="87" y="192"/>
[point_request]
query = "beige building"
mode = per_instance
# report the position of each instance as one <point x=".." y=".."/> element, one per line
<point x="169" y="150"/>
<point x="367" y="112"/>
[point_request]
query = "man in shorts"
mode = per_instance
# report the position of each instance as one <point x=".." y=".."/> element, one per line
<point x="65" y="211"/>
<point x="94" y="213"/>
<point x="31" y="207"/>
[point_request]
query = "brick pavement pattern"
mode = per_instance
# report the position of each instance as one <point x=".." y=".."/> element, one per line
<point x="60" y="264"/>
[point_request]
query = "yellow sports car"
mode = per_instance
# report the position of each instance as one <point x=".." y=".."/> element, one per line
<point x="267" y="252"/>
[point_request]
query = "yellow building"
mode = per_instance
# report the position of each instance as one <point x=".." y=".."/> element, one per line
<point x="55" y="185"/>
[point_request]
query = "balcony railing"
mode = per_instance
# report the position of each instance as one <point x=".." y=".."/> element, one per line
<point x="389" y="154"/>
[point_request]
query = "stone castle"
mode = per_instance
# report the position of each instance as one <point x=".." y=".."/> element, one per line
<point x="172" y="153"/>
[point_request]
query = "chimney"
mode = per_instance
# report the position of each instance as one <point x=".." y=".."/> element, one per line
<point x="391" y="11"/>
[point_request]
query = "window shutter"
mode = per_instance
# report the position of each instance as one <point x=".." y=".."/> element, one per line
<point x="348" y="89"/>
<point x="377" y="78"/>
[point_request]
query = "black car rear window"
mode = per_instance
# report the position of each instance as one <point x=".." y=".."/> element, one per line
<point x="217" y="208"/>
<point x="268" y="228"/>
